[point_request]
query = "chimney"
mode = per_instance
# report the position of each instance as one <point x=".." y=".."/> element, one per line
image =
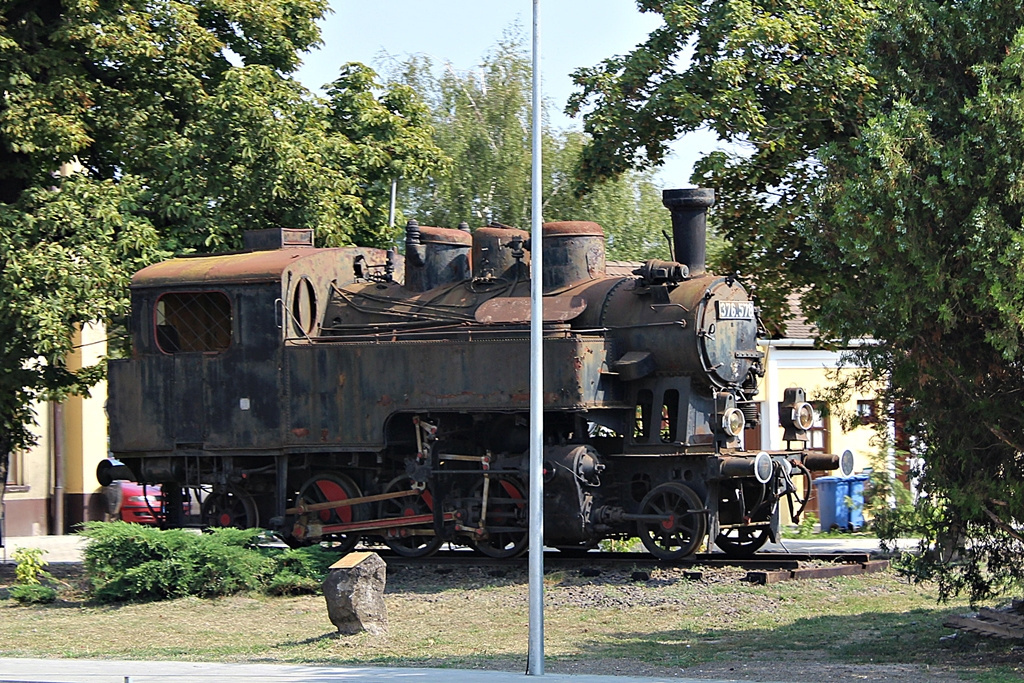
<point x="689" y="224"/>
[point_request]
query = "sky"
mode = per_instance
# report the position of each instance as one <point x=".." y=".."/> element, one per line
<point x="574" y="33"/>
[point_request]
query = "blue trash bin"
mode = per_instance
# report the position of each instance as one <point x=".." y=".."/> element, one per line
<point x="830" y="501"/>
<point x="855" y="486"/>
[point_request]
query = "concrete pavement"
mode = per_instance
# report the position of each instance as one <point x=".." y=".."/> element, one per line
<point x="88" y="671"/>
<point x="69" y="548"/>
<point x="58" y="548"/>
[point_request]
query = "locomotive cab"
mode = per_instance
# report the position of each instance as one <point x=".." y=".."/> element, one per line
<point x="207" y="340"/>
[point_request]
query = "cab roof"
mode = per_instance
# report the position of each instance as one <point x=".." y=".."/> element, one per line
<point x="243" y="268"/>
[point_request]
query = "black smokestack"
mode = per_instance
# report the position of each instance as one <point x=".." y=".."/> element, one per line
<point x="689" y="224"/>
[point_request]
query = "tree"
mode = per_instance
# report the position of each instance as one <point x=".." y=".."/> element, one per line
<point x="482" y="120"/>
<point x="923" y="214"/>
<point x="884" y="181"/>
<point x="261" y="151"/>
<point x="177" y="150"/>
<point x="781" y="78"/>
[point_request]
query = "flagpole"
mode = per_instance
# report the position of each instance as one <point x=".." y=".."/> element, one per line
<point x="535" y="664"/>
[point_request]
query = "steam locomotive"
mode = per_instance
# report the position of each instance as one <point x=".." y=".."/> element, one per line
<point x="340" y="394"/>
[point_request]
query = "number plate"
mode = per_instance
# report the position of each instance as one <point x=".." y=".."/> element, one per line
<point x="735" y="310"/>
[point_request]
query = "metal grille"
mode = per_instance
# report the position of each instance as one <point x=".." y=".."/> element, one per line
<point x="193" y="322"/>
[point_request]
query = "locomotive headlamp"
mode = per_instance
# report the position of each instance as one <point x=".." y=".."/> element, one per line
<point x="795" y="414"/>
<point x="733" y="422"/>
<point x="729" y="419"/>
<point x="763" y="467"/>
<point x="803" y="416"/>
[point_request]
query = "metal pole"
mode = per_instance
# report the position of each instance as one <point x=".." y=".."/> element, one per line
<point x="391" y="206"/>
<point x="59" y="477"/>
<point x="535" y="665"/>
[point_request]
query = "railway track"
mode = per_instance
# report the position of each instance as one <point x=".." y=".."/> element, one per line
<point x="763" y="568"/>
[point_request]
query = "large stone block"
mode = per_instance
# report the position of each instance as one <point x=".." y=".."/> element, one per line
<point x="354" y="590"/>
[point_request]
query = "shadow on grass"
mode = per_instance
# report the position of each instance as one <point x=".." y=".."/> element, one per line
<point x="869" y="638"/>
<point x="874" y="639"/>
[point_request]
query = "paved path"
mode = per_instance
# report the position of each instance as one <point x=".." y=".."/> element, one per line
<point x="89" y="671"/>
<point x="58" y="548"/>
<point x="835" y="544"/>
<point x="69" y="548"/>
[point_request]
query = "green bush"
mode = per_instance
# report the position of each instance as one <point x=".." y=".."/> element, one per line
<point x="31" y="567"/>
<point x="621" y="545"/>
<point x="132" y="562"/>
<point x="299" y="571"/>
<point x="29" y="593"/>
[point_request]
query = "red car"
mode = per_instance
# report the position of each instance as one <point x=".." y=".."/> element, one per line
<point x="142" y="505"/>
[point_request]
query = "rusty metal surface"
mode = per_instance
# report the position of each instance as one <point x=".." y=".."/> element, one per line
<point x="621" y="268"/>
<point x="435" y="257"/>
<point x="493" y="255"/>
<point x="689" y="224"/>
<point x="340" y="399"/>
<point x="259" y="266"/>
<point x="249" y="267"/>
<point x="517" y="309"/>
<point x="335" y="371"/>
<point x="445" y="235"/>
<point x="138" y="404"/>
<point x="852" y="569"/>
<point x="677" y="324"/>
<point x="559" y="228"/>
<point x="573" y="253"/>
<point x="277" y="238"/>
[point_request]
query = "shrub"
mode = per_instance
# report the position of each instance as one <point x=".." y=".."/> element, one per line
<point x="301" y="570"/>
<point x="29" y="593"/>
<point x="131" y="562"/>
<point x="621" y="545"/>
<point x="31" y="567"/>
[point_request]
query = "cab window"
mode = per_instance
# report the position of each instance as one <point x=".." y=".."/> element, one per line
<point x="193" y="322"/>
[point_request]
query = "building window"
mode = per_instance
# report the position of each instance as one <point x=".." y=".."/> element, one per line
<point x="193" y="322"/>
<point x="817" y="435"/>
<point x="15" y="468"/>
<point x="867" y="411"/>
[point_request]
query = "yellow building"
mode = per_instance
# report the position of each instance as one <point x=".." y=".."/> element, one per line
<point x="52" y="486"/>
<point x="793" y="361"/>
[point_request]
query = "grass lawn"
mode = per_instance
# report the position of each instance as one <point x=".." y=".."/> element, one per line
<point x="874" y="626"/>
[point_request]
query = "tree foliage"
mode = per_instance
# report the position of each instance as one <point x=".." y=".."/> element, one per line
<point x="921" y="217"/>
<point x="884" y="176"/>
<point x="482" y="120"/>
<point x="780" y="78"/>
<point x="176" y="125"/>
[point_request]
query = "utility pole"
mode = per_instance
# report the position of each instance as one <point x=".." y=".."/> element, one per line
<point x="535" y="665"/>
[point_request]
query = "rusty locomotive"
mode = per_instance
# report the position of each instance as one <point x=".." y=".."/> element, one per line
<point x="319" y="393"/>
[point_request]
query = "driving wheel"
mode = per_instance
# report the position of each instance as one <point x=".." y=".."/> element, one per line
<point x="230" y="506"/>
<point x="327" y="487"/>
<point x="742" y="541"/>
<point x="410" y="541"/>
<point x="683" y="525"/>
